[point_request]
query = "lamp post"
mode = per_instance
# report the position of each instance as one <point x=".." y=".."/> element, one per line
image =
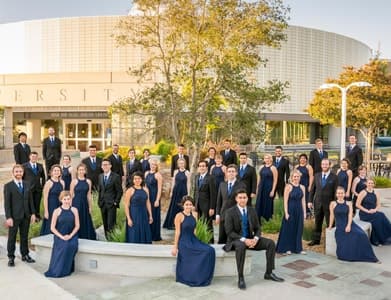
<point x="344" y="91"/>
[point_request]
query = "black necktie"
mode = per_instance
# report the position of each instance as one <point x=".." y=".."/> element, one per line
<point x="20" y="186"/>
<point x="229" y="188"/>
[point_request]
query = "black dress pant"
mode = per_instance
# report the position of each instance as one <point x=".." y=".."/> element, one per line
<point x="263" y="244"/>
<point x="37" y="196"/>
<point x="222" y="233"/>
<point x="109" y="218"/>
<point x="23" y="226"/>
<point x="322" y="212"/>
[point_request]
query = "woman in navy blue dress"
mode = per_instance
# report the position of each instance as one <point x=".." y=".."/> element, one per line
<point x="306" y="179"/>
<point x="218" y="170"/>
<point x="154" y="183"/>
<point x="180" y="187"/>
<point x="291" y="232"/>
<point x="65" y="224"/>
<point x="345" y="177"/>
<point x="359" y="184"/>
<point x="138" y="212"/>
<point x="51" y="191"/>
<point x="352" y="242"/>
<point x="145" y="166"/>
<point x="82" y="200"/>
<point x="211" y="159"/>
<point x="66" y="172"/>
<point x="368" y="202"/>
<point x="195" y="260"/>
<point x="266" y="188"/>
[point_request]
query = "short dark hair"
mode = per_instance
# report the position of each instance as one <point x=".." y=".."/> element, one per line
<point x="22" y="134"/>
<point x="202" y="161"/>
<point x="106" y="160"/>
<point x="187" y="198"/>
<point x="92" y="146"/>
<point x="181" y="145"/>
<point x="34" y="152"/>
<point x="242" y="153"/>
<point x="278" y="147"/>
<point x="240" y="191"/>
<point x="232" y="166"/>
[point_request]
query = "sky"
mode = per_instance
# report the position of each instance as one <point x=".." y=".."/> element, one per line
<point x="364" y="20"/>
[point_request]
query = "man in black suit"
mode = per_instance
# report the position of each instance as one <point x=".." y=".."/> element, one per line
<point x="228" y="154"/>
<point x="22" y="149"/>
<point x="282" y="165"/>
<point x="116" y="162"/>
<point x="181" y="154"/>
<point x="34" y="174"/>
<point x="226" y="198"/>
<point x="94" y="166"/>
<point x="248" y="176"/>
<point x="205" y="194"/>
<point x="317" y="155"/>
<point x="110" y="193"/>
<point x="51" y="150"/>
<point x="132" y="166"/>
<point x="322" y="193"/>
<point x="19" y="212"/>
<point x="354" y="155"/>
<point x="244" y="232"/>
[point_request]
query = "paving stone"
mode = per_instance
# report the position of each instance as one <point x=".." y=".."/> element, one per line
<point x="371" y="282"/>
<point x="300" y="265"/>
<point x="385" y="274"/>
<point x="304" y="284"/>
<point x="327" y="276"/>
<point x="300" y="275"/>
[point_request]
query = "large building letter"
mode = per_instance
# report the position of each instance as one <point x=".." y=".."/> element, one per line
<point x="63" y="95"/>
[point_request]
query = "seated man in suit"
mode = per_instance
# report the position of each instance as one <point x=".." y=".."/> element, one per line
<point x="19" y="212"/>
<point x="226" y="198"/>
<point x="244" y="232"/>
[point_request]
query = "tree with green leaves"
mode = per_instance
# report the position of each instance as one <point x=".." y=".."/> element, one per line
<point x="368" y="109"/>
<point x="199" y="63"/>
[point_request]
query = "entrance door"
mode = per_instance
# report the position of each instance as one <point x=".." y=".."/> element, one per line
<point x="79" y="135"/>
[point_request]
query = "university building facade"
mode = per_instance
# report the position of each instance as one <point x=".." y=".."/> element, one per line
<point x="66" y="72"/>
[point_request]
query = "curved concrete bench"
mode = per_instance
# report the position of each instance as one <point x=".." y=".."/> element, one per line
<point x="138" y="260"/>
<point x="331" y="245"/>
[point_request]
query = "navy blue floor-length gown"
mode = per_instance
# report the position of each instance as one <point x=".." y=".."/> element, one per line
<point x="53" y="203"/>
<point x="264" y="204"/>
<point x="140" y="232"/>
<point x="180" y="190"/>
<point x="152" y="186"/>
<point x="63" y="252"/>
<point x="219" y="175"/>
<point x="291" y="231"/>
<point x="353" y="245"/>
<point x="381" y="226"/>
<point x="80" y="201"/>
<point x="67" y="177"/>
<point x="196" y="260"/>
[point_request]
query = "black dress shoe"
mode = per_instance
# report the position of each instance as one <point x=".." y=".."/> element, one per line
<point x="273" y="277"/>
<point x="241" y="283"/>
<point x="313" y="243"/>
<point x="28" y="259"/>
<point x="11" y="262"/>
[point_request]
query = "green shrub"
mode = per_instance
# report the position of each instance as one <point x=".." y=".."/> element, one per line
<point x="203" y="233"/>
<point x="118" y="233"/>
<point x="274" y="224"/>
<point x="308" y="229"/>
<point x="382" y="182"/>
<point x="163" y="148"/>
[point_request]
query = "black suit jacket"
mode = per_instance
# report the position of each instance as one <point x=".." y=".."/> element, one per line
<point x="233" y="225"/>
<point x="174" y="163"/>
<point x="283" y="174"/>
<point x="315" y="160"/>
<point x="93" y="174"/>
<point x="21" y="154"/>
<point x="18" y="205"/>
<point x="225" y="201"/>
<point x="205" y="195"/>
<point x="51" y="151"/>
<point x="249" y="179"/>
<point x="36" y="181"/>
<point x="323" y="195"/>
<point x="230" y="158"/>
<point x="130" y="169"/>
<point x="355" y="157"/>
<point x="116" y="164"/>
<point x="110" y="193"/>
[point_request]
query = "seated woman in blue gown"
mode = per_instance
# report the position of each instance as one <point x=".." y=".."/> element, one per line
<point x="368" y="202"/>
<point x="291" y="232"/>
<point x="352" y="242"/>
<point x="195" y="259"/>
<point x="138" y="212"/>
<point x="65" y="225"/>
